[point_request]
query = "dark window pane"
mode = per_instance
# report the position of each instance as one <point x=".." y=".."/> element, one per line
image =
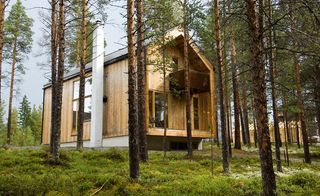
<point x="159" y="110"/>
<point x="151" y="119"/>
<point x="196" y="113"/>
<point x="74" y="114"/>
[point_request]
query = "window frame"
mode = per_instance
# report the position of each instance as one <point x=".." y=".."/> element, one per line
<point x="154" y="109"/>
<point x="198" y="116"/>
<point x="76" y="100"/>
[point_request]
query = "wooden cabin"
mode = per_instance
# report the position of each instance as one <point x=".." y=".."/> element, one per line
<point x="106" y="98"/>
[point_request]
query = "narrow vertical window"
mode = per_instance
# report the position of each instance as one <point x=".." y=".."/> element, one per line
<point x="196" y="113"/>
<point x="75" y="103"/>
<point x="159" y="110"/>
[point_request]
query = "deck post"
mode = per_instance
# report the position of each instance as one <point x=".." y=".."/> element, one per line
<point x="97" y="86"/>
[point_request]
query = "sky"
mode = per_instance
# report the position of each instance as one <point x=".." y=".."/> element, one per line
<point x="34" y="79"/>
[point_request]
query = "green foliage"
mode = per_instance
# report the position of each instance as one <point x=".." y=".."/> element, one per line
<point x="24" y="113"/>
<point x="26" y="125"/>
<point x="17" y="32"/>
<point x="36" y="123"/>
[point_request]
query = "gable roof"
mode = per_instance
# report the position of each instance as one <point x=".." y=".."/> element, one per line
<point x="122" y="54"/>
<point x="110" y="58"/>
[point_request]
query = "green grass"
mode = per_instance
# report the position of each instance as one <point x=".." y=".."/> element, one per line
<point x="29" y="172"/>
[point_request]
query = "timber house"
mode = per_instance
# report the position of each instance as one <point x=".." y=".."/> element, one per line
<point x="106" y="99"/>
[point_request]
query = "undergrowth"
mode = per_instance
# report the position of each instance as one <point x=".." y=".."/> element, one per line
<point x="30" y="172"/>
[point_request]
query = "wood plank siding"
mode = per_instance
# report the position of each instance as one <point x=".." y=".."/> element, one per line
<point x="115" y="107"/>
<point x="67" y="132"/>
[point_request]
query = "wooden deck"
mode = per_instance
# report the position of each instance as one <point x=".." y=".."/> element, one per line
<point x="178" y="133"/>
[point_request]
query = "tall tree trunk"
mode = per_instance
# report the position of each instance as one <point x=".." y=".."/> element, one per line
<point x="317" y="98"/>
<point x="258" y="77"/>
<point x="285" y="117"/>
<point x="297" y="130"/>
<point x="217" y="123"/>
<point x="82" y="75"/>
<point x="243" y="132"/>
<point x="165" y="97"/>
<point x="13" y="67"/>
<point x="237" y="142"/>
<point x="220" y="87"/>
<point x="54" y="42"/>
<point x="297" y="71"/>
<point x="254" y="124"/>
<point x="2" y="10"/>
<point x="141" y="64"/>
<point x="277" y="138"/>
<point x="286" y="145"/>
<point x="59" y="90"/>
<point x="132" y="97"/>
<point x="245" y="115"/>
<point x="226" y="83"/>
<point x="187" y="78"/>
<point x="229" y="128"/>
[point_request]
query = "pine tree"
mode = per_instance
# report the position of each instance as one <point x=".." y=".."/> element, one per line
<point x="82" y="75"/>
<point x="236" y="101"/>
<point x="24" y="113"/>
<point x="17" y="43"/>
<point x="301" y="104"/>
<point x="255" y="20"/>
<point x="36" y="123"/>
<point x="141" y="69"/>
<point x="220" y="87"/>
<point x="160" y="18"/>
<point x="187" y="75"/>
<point x="132" y="93"/>
<point x="273" y="88"/>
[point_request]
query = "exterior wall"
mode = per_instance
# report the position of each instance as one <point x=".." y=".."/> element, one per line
<point x="292" y="132"/>
<point x="67" y="134"/>
<point x="176" y="104"/>
<point x="46" y="126"/>
<point x="115" y="117"/>
<point x="116" y="107"/>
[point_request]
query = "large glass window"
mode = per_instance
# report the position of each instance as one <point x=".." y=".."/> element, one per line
<point x="87" y="101"/>
<point x="159" y="110"/>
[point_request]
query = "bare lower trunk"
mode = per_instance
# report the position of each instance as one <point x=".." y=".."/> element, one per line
<point x="243" y="131"/>
<point x="226" y="83"/>
<point x="54" y="37"/>
<point x="260" y="100"/>
<point x="132" y="97"/>
<point x="59" y="90"/>
<point x="82" y="75"/>
<point x="245" y="116"/>
<point x="187" y="79"/>
<point x="254" y="124"/>
<point x="141" y="64"/>
<point x="285" y="118"/>
<point x="217" y="124"/>
<point x="237" y="142"/>
<point x="220" y="87"/>
<point x="297" y="130"/>
<point x="13" y="66"/>
<point x="317" y="98"/>
<point x="165" y="100"/>
<point x="273" y="93"/>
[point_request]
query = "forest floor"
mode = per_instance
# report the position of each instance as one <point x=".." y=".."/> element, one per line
<point x="105" y="172"/>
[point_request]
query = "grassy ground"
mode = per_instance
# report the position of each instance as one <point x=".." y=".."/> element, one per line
<point x="28" y="172"/>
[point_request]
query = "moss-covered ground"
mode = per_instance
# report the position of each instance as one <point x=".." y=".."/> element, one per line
<point x="105" y="172"/>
